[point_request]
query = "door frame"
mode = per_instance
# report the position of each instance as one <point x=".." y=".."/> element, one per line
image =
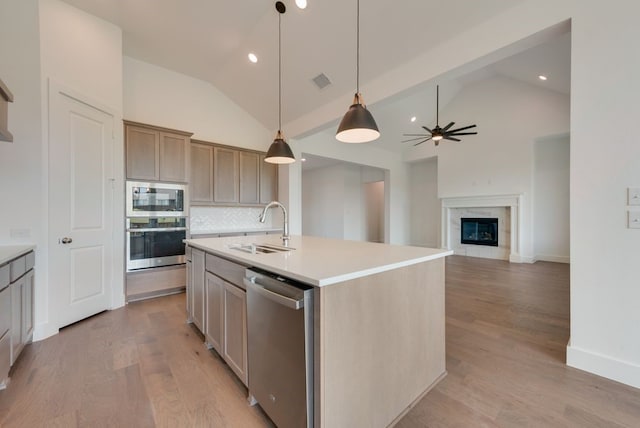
<point x="116" y="287"/>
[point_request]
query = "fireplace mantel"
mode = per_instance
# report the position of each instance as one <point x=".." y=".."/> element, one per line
<point x="513" y="202"/>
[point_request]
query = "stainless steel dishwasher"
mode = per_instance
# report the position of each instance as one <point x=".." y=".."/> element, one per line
<point x="280" y="347"/>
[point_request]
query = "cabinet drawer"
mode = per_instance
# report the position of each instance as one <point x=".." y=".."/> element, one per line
<point x="18" y="267"/>
<point x="5" y="311"/>
<point x="229" y="271"/>
<point x="4" y="276"/>
<point x="30" y="261"/>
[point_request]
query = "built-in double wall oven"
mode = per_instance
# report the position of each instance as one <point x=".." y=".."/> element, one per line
<point x="157" y="224"/>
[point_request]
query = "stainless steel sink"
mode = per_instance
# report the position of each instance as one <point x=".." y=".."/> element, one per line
<point x="260" y="248"/>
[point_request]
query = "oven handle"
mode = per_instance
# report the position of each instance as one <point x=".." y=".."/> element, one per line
<point x="158" y="229"/>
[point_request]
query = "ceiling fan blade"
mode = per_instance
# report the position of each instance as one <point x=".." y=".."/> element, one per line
<point x="415" y="135"/>
<point x="461" y="133"/>
<point x="450" y="138"/>
<point x="448" y="126"/>
<point x="463" y="128"/>
<point x="414" y="139"/>
<point x="427" y="129"/>
<point x="416" y="144"/>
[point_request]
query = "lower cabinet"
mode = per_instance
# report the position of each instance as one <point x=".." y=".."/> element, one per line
<point x="235" y="330"/>
<point x="17" y="282"/>
<point x="198" y="291"/>
<point x="218" y="307"/>
<point x="215" y="309"/>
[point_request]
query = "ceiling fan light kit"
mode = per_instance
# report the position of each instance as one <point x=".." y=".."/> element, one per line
<point x="437" y="134"/>
<point x="358" y="124"/>
<point x="279" y="152"/>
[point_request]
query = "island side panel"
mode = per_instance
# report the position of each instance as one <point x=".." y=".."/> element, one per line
<point x="380" y="345"/>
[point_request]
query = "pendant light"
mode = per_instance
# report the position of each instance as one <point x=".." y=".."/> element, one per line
<point x="279" y="151"/>
<point x="357" y="125"/>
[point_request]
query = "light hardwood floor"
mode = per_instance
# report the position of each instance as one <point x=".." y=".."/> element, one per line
<point x="142" y="366"/>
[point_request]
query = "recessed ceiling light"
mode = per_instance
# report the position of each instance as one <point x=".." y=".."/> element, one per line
<point x="542" y="77"/>
<point x="303" y="159"/>
<point x="413" y="119"/>
<point x="302" y="4"/>
<point x="253" y="58"/>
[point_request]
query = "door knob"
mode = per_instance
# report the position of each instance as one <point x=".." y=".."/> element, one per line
<point x="66" y="240"/>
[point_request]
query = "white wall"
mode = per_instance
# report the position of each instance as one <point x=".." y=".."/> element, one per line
<point x="551" y="199"/>
<point x="83" y="53"/>
<point x="499" y="160"/>
<point x="21" y="162"/>
<point x="323" y="195"/>
<point x="334" y="203"/>
<point x="604" y="88"/>
<point x="424" y="203"/>
<point x="325" y="145"/>
<point x="162" y="97"/>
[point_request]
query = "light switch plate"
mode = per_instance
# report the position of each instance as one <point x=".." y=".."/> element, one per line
<point x="633" y="219"/>
<point x="633" y="196"/>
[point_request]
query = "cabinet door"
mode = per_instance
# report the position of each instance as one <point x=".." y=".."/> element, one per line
<point x="201" y="184"/>
<point x="249" y="178"/>
<point x="17" y="290"/>
<point x="189" y="291"/>
<point x="235" y="330"/>
<point x="225" y="175"/>
<point x="197" y="260"/>
<point x="143" y="153"/>
<point x="27" y="306"/>
<point x="268" y="181"/>
<point x="214" y="323"/>
<point x="174" y="149"/>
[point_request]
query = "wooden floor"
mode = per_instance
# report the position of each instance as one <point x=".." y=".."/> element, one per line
<point x="142" y="366"/>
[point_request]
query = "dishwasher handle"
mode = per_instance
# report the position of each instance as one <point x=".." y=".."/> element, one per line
<point x="278" y="298"/>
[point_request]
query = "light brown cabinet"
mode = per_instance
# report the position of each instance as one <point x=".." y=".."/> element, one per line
<point x="201" y="183"/>
<point x="235" y="330"/>
<point x="214" y="312"/>
<point x="225" y="175"/>
<point x="197" y="287"/>
<point x="268" y="181"/>
<point x="156" y="154"/>
<point x="222" y="175"/>
<point x="249" y="177"/>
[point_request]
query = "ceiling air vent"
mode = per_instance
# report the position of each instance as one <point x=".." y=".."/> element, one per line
<point x="321" y="81"/>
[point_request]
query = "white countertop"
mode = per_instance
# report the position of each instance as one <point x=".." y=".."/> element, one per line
<point x="320" y="261"/>
<point x="225" y="231"/>
<point x="10" y="252"/>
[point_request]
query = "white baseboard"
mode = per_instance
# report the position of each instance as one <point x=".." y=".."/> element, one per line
<point x="555" y="259"/>
<point x="520" y="259"/>
<point x="603" y="365"/>
<point x="43" y="331"/>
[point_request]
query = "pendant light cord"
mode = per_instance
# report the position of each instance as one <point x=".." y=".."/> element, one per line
<point x="279" y="72"/>
<point x="358" y="48"/>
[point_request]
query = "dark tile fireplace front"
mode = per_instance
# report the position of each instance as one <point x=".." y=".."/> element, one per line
<point x="479" y="231"/>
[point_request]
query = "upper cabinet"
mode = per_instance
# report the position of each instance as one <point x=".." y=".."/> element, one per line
<point x="223" y="175"/>
<point x="156" y="154"/>
<point x="5" y="98"/>
<point x="268" y="181"/>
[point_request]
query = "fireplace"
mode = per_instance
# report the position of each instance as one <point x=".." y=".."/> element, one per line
<point x="479" y="231"/>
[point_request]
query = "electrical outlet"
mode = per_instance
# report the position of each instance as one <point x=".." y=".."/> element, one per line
<point x="633" y="219"/>
<point x="633" y="196"/>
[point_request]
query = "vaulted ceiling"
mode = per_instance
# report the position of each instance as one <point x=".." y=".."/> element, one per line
<point x="210" y="40"/>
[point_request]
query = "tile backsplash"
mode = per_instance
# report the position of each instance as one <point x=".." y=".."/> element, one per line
<point x="231" y="218"/>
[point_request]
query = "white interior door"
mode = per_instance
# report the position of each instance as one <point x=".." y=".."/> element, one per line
<point x="80" y="205"/>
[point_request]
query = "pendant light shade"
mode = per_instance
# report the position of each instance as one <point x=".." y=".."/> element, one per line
<point x="357" y="125"/>
<point x="279" y="152"/>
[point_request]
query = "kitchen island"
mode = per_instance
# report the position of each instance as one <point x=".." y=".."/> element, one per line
<point x="378" y="320"/>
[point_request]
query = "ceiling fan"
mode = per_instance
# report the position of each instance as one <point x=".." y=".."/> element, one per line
<point x="436" y="134"/>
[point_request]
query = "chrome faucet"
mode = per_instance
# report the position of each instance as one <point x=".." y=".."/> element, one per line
<point x="263" y="217"/>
